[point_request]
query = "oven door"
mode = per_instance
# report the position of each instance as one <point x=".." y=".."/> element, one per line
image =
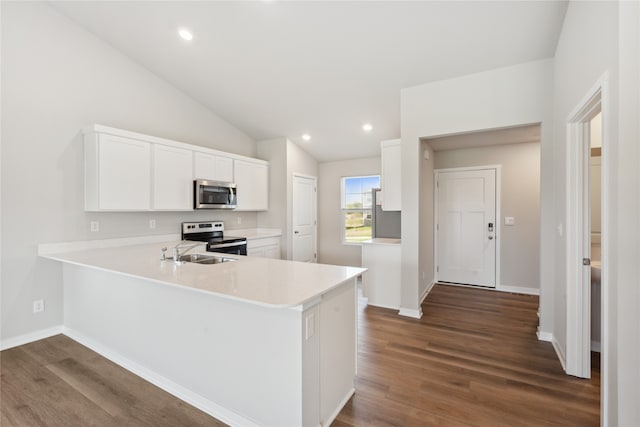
<point x="235" y="248"/>
<point x="213" y="195"/>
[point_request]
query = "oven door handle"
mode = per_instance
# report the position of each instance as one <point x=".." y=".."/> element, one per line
<point x="227" y="245"/>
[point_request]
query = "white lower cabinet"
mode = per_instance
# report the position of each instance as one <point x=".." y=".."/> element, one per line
<point x="172" y="178"/>
<point x="266" y="247"/>
<point x="381" y="282"/>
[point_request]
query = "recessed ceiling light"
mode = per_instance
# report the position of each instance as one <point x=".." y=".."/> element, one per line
<point x="367" y="127"/>
<point x="185" y="34"/>
<point x="306" y="137"/>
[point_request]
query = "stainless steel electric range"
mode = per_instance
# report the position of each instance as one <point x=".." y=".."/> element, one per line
<point x="212" y="232"/>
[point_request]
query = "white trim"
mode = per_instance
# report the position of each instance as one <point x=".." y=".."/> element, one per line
<point x="30" y="337"/>
<point x="426" y="291"/>
<point x="83" y="245"/>
<point x="559" y="353"/>
<point x="578" y="334"/>
<point x="339" y="408"/>
<point x="407" y="312"/>
<point x="518" y="290"/>
<point x="497" y="223"/>
<point x="544" y="336"/>
<point x="164" y="383"/>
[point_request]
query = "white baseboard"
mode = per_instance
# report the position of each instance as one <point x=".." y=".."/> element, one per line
<point x="344" y="401"/>
<point x="518" y="290"/>
<point x="30" y="337"/>
<point x="416" y="314"/>
<point x="426" y="291"/>
<point x="560" y="354"/>
<point x="595" y="346"/>
<point x="165" y="384"/>
<point x="545" y="336"/>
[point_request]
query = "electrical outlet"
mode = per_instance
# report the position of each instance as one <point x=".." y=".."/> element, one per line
<point x="38" y="306"/>
<point x="239" y="220"/>
<point x="95" y="226"/>
<point x="509" y="220"/>
<point x="310" y="323"/>
<point x="152" y="224"/>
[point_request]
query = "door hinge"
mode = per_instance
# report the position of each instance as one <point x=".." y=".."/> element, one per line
<point x="437" y="227"/>
<point x="315" y="255"/>
<point x="438" y="184"/>
<point x="586" y="261"/>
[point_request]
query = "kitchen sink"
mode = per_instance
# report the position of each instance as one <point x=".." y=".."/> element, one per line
<point x="205" y="259"/>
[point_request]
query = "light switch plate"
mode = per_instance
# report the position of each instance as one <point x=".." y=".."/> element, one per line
<point x="509" y="220"/>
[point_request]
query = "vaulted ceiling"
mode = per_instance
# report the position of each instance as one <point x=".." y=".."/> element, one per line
<point x="285" y="68"/>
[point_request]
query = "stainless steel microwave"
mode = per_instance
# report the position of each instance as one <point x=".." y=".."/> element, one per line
<point x="213" y="195"/>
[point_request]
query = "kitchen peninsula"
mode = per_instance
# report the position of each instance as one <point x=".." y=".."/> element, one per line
<point x="255" y="341"/>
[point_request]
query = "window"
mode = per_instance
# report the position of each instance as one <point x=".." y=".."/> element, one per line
<point x="357" y="207"/>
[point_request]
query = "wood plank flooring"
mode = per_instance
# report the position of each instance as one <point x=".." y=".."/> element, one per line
<point x="472" y="360"/>
<point x="57" y="382"/>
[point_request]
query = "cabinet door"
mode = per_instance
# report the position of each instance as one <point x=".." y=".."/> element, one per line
<point x="390" y="179"/>
<point x="172" y="178"/>
<point x="255" y="252"/>
<point x="272" y="251"/>
<point x="252" y="181"/>
<point x="204" y="166"/>
<point x="224" y="169"/>
<point x="212" y="167"/>
<point x="124" y="177"/>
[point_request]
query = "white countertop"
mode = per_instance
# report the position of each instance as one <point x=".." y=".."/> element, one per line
<point x="261" y="281"/>
<point x="382" y="241"/>
<point x="255" y="233"/>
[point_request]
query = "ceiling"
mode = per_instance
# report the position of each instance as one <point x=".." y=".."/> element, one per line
<point x="281" y="69"/>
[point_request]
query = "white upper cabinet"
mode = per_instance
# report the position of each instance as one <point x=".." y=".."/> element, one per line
<point x="390" y="181"/>
<point x="128" y="171"/>
<point x="252" y="181"/>
<point x="172" y="178"/>
<point x="212" y="167"/>
<point x="117" y="173"/>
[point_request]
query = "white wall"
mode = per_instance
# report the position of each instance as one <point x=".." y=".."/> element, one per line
<point x="286" y="159"/>
<point x="520" y="198"/>
<point x="275" y="152"/>
<point x="57" y="78"/>
<point x="627" y="218"/>
<point x="331" y="250"/>
<point x="504" y="97"/>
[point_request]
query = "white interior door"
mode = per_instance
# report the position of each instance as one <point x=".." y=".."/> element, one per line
<point x="304" y="219"/>
<point x="467" y="227"/>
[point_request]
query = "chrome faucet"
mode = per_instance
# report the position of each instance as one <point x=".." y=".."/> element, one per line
<point x="182" y="244"/>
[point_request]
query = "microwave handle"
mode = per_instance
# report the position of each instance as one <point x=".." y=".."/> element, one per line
<point x="231" y="194"/>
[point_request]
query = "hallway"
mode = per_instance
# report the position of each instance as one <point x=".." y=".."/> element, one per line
<point x="473" y="359"/>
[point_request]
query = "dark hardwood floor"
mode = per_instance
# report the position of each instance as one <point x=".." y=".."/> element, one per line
<point x="57" y="382"/>
<point x="472" y="360"/>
